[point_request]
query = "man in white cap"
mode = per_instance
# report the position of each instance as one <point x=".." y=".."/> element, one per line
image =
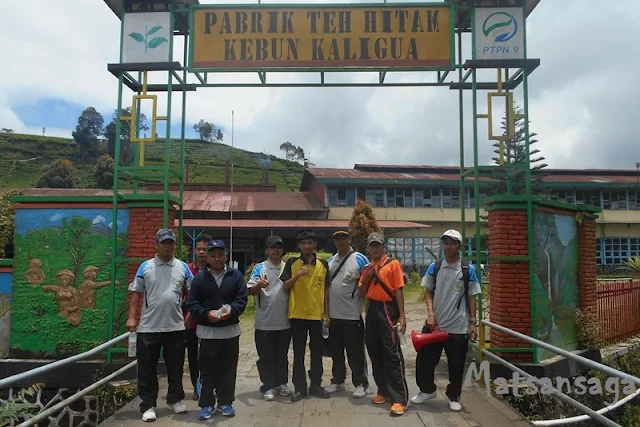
<point x="161" y="283"/>
<point x="451" y="287"/>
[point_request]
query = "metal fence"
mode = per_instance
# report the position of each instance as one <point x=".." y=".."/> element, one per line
<point x="618" y="310"/>
<point x="599" y="415"/>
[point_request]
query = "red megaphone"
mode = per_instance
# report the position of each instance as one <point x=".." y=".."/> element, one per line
<point x="420" y="340"/>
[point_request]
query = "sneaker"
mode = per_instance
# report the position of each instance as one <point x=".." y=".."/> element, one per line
<point x="397" y="408"/>
<point x="361" y="391"/>
<point x="423" y="397"/>
<point x="332" y="388"/>
<point x="226" y="410"/>
<point x="269" y="395"/>
<point x="149" y="415"/>
<point x="378" y="400"/>
<point x="283" y="390"/>
<point x="178" y="408"/>
<point x="455" y="406"/>
<point x="205" y="413"/>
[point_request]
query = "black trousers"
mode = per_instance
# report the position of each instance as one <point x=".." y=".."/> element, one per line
<point x="148" y="349"/>
<point x="192" y="355"/>
<point x="384" y="350"/>
<point x="218" y="361"/>
<point x="348" y="335"/>
<point x="455" y="348"/>
<point x="300" y="329"/>
<point x="273" y="361"/>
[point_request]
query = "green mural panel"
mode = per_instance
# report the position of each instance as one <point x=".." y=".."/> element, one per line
<point x="556" y="280"/>
<point x="62" y="279"/>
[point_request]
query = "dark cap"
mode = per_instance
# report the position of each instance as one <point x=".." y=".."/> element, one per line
<point x="341" y="233"/>
<point x="306" y="233"/>
<point x="375" y="237"/>
<point x="273" y="240"/>
<point x="216" y="244"/>
<point x="165" y="234"/>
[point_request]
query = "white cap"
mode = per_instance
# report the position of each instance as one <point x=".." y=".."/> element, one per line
<point x="453" y="234"/>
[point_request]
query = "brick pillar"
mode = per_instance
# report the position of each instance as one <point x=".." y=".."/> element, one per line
<point x="143" y="225"/>
<point x="587" y="248"/>
<point x="509" y="290"/>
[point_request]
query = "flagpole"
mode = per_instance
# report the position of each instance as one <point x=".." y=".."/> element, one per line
<point x="231" y="204"/>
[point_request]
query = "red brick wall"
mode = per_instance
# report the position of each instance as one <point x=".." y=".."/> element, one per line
<point x="143" y="225"/>
<point x="587" y="290"/>
<point x="509" y="292"/>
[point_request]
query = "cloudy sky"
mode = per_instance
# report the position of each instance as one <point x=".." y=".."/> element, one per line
<point x="583" y="97"/>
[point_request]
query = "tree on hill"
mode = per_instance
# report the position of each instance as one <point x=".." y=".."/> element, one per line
<point x="59" y="174"/>
<point x="6" y="130"/>
<point x="292" y="152"/>
<point x="126" y="150"/>
<point x="515" y="156"/>
<point x="363" y="222"/>
<point x="104" y="171"/>
<point x="208" y="131"/>
<point x="90" y="127"/>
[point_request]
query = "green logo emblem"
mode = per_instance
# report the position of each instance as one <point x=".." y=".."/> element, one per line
<point x="149" y="44"/>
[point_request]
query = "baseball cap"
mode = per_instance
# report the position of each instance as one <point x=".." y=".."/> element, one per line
<point x="341" y="233"/>
<point x="453" y="234"/>
<point x="165" y="234"/>
<point x="375" y="237"/>
<point x="273" y="240"/>
<point x="216" y="244"/>
<point x="306" y="233"/>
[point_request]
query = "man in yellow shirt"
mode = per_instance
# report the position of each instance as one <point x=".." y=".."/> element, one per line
<point x="305" y="279"/>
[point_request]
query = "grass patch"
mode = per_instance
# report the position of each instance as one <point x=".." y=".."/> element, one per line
<point x="207" y="162"/>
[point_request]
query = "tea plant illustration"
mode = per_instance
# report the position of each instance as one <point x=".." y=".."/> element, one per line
<point x="149" y="44"/>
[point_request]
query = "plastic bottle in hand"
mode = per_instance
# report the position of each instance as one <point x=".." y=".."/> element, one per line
<point x="401" y="337"/>
<point x="325" y="330"/>
<point x="132" y="344"/>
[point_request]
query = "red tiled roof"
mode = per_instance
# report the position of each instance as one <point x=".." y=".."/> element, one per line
<point x="452" y="173"/>
<point x="298" y="223"/>
<point x="211" y="201"/>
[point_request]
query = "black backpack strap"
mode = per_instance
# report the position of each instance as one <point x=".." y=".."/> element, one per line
<point x="465" y="278"/>
<point x="436" y="269"/>
<point x="381" y="282"/>
<point x="335" y="273"/>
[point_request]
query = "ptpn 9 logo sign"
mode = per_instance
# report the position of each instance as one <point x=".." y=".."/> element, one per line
<point x="499" y="33"/>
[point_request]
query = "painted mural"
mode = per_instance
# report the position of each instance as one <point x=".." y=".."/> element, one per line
<point x="5" y="313"/>
<point x="556" y="280"/>
<point x="61" y="291"/>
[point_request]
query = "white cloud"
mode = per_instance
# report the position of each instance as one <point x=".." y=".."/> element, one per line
<point x="98" y="219"/>
<point x="582" y="97"/>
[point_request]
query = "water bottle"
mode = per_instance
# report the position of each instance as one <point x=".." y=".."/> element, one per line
<point x="401" y="337"/>
<point x="325" y="330"/>
<point x="132" y="344"/>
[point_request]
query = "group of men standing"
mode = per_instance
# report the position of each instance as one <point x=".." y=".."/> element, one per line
<point x="198" y="306"/>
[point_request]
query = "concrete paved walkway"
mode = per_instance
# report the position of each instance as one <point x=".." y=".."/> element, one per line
<point x="341" y="410"/>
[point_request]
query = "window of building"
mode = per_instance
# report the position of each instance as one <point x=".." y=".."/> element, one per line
<point x="634" y="200"/>
<point x="375" y="197"/>
<point x="470" y="197"/>
<point x="634" y="247"/>
<point x="341" y="196"/>
<point x="614" y="200"/>
<point x="616" y="250"/>
<point x="450" y="198"/>
<point x="400" y="197"/>
<point x="588" y="198"/>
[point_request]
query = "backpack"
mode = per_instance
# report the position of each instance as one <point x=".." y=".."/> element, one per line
<point x="465" y="278"/>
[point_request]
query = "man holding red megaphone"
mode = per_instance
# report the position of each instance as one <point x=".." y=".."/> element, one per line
<point x="451" y="287"/>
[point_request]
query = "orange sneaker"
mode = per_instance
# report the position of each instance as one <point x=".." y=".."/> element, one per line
<point x="380" y="399"/>
<point x="397" y="408"/>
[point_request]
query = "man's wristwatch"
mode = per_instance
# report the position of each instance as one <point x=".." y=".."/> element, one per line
<point x="473" y="320"/>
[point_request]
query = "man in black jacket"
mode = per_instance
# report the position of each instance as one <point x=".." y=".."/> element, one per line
<point x="215" y="288"/>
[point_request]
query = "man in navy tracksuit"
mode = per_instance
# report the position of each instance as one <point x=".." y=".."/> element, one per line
<point x="219" y="334"/>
